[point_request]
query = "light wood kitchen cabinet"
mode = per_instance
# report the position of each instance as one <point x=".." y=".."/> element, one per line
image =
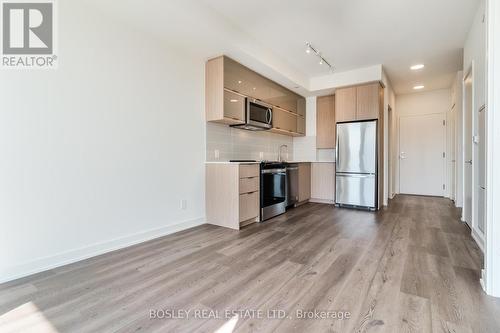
<point x="368" y="101"/>
<point x="345" y="104"/>
<point x="229" y="83"/>
<point x="243" y="80"/>
<point x="234" y="107"/>
<point x="249" y="207"/>
<point x="325" y="122"/>
<point x="361" y="102"/>
<point x="323" y="182"/>
<point x="301" y="125"/>
<point x="283" y="120"/>
<point x="232" y="194"/>
<point x="304" y="182"/>
<point x="301" y="107"/>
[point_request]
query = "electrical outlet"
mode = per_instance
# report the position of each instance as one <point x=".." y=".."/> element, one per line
<point x="183" y="204"/>
<point x="217" y="154"/>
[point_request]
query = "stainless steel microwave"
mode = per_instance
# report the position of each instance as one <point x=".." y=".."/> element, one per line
<point x="258" y="116"/>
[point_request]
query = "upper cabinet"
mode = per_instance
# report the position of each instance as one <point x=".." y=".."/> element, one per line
<point x="234" y="107"/>
<point x="229" y="83"/>
<point x="301" y="107"/>
<point x="284" y="121"/>
<point x="301" y="125"/>
<point x="362" y="102"/>
<point x="345" y="104"/>
<point x="325" y="122"/>
<point x="368" y="101"/>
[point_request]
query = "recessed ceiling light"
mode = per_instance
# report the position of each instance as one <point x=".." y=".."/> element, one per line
<point x="308" y="50"/>
<point x="417" y="67"/>
<point x="239" y="82"/>
<point x="419" y="87"/>
<point x="321" y="61"/>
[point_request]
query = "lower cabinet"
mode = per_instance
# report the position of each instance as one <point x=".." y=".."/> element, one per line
<point x="304" y="182"/>
<point x="232" y="194"/>
<point x="249" y="207"/>
<point x="323" y="182"/>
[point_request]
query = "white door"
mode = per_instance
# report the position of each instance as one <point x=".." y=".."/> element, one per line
<point x="467" y="158"/>
<point x="422" y="145"/>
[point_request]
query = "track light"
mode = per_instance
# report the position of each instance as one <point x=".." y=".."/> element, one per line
<point x="318" y="54"/>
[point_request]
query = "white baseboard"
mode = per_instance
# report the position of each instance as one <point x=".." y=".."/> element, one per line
<point x="323" y="201"/>
<point x="482" y="280"/>
<point x="68" y="257"/>
<point x="478" y="239"/>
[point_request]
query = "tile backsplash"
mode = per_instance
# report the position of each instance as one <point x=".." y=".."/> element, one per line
<point x="304" y="149"/>
<point x="226" y="143"/>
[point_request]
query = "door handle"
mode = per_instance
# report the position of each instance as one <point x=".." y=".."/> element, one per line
<point x="351" y="175"/>
<point x="469" y="162"/>
<point x="337" y="162"/>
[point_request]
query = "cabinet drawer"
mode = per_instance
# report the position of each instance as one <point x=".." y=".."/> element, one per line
<point x="249" y="170"/>
<point x="249" y="184"/>
<point x="249" y="206"/>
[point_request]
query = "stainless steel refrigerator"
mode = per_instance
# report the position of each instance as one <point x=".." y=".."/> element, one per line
<point x="356" y="165"/>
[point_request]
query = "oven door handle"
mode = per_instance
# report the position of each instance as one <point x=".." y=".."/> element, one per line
<point x="276" y="171"/>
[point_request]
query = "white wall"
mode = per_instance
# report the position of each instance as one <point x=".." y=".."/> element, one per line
<point x="321" y="85"/>
<point x="98" y="153"/>
<point x="236" y="144"/>
<point x="475" y="58"/>
<point x="475" y="52"/>
<point x="436" y="101"/>
<point x="491" y="277"/>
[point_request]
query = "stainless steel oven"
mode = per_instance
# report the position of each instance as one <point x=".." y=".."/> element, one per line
<point x="273" y="190"/>
<point x="258" y="116"/>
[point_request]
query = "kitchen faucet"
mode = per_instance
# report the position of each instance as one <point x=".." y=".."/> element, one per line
<point x="279" y="152"/>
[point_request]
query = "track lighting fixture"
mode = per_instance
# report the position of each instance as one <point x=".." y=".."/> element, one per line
<point x="310" y="48"/>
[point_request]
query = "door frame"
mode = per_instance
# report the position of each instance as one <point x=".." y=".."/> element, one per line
<point x="491" y="277"/>
<point x="390" y="153"/>
<point x="443" y="162"/>
<point x="470" y="71"/>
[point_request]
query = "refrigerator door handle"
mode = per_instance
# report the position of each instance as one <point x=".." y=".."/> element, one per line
<point x="355" y="175"/>
<point x="337" y="150"/>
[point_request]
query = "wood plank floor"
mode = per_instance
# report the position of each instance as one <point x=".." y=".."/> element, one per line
<point x="412" y="267"/>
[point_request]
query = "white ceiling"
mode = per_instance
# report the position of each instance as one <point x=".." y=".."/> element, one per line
<point x="358" y="33"/>
<point x="270" y="35"/>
